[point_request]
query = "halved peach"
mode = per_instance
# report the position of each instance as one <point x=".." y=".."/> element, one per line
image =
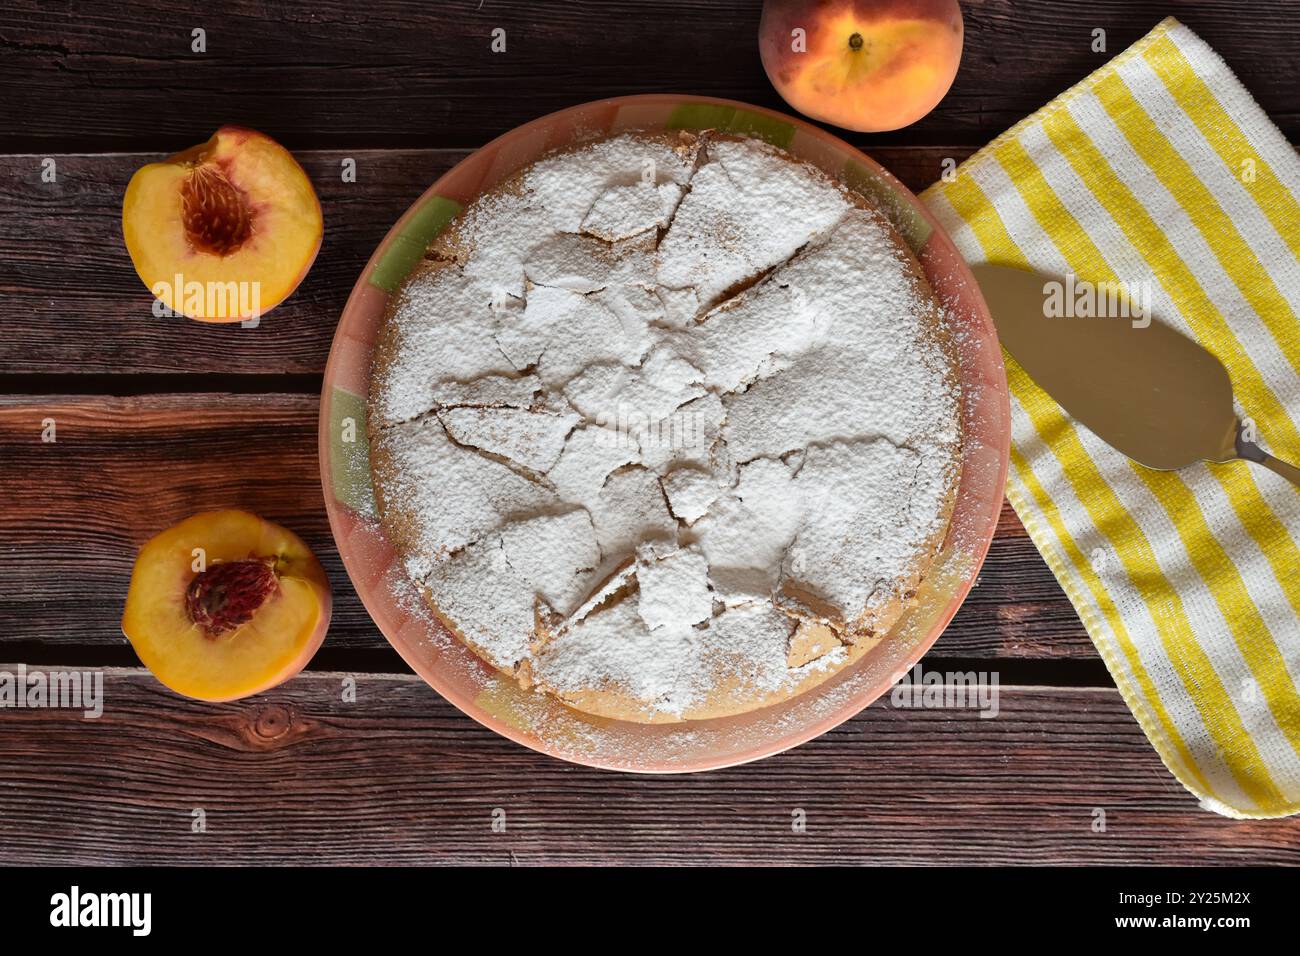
<point x="224" y="231"/>
<point x="865" y="65"/>
<point x="225" y="604"/>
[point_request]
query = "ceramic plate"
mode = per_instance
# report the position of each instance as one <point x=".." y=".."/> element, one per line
<point x="539" y="721"/>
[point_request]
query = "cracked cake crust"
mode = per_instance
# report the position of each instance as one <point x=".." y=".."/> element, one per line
<point x="667" y="426"/>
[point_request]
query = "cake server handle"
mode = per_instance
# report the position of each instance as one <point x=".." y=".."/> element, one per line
<point x="1252" y="452"/>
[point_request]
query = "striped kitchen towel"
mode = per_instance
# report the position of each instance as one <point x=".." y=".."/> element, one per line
<point x="1160" y="168"/>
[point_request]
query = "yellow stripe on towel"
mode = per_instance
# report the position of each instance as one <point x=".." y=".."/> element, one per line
<point x="1222" y="132"/>
<point x="1213" y="563"/>
<point x="1110" y="517"/>
<point x="1203" y="633"/>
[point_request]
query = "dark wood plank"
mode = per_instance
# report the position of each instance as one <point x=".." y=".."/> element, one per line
<point x="298" y="776"/>
<point x="394" y="73"/>
<point x="71" y="302"/>
<point x="124" y="468"/>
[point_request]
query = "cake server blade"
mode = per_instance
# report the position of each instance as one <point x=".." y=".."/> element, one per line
<point x="1144" y="388"/>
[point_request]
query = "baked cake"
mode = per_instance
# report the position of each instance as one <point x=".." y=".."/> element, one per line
<point x="667" y="426"/>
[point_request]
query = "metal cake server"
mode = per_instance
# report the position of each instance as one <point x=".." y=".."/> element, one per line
<point x="1145" y="389"/>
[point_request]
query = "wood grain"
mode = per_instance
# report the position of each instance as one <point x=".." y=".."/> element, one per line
<point x="124" y="468"/>
<point x="397" y="73"/>
<point x="72" y="303"/>
<point x="159" y="418"/>
<point x="399" y="776"/>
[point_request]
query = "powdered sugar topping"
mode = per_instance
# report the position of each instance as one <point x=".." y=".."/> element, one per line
<point x="664" y="416"/>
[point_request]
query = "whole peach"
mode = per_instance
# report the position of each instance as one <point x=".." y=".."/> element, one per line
<point x="865" y="65"/>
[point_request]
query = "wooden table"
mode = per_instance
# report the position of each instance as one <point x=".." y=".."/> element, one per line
<point x="159" y="418"/>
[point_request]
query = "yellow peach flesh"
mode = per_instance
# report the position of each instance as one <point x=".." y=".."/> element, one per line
<point x="276" y="246"/>
<point x="271" y="647"/>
